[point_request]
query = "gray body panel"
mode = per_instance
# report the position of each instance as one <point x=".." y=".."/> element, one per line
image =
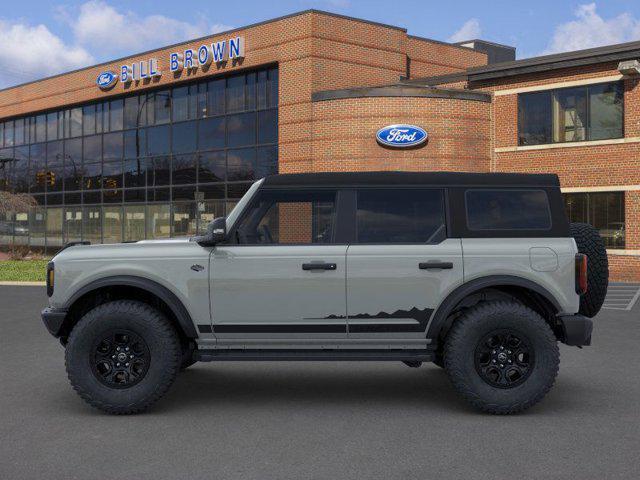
<point x="548" y="262"/>
<point x="385" y="281"/>
<point x="266" y="285"/>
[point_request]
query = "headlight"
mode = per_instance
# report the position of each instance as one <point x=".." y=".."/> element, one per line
<point x="50" y="278"/>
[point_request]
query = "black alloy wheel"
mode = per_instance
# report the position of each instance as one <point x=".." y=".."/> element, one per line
<point x="504" y="358"/>
<point x="120" y="359"/>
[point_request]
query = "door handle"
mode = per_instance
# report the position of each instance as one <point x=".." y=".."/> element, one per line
<point x="435" y="265"/>
<point x="319" y="266"/>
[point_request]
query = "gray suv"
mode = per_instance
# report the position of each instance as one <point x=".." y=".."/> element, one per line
<point x="479" y="273"/>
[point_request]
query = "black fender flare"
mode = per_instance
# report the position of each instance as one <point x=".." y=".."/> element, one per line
<point x="163" y="293"/>
<point x="440" y="316"/>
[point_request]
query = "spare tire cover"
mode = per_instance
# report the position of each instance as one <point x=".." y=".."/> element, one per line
<point x="590" y="243"/>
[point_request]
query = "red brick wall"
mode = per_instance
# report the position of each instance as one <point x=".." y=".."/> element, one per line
<point x="345" y="130"/>
<point x="584" y="166"/>
<point x="429" y="58"/>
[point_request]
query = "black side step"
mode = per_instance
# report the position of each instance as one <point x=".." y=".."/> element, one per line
<point x="315" y="355"/>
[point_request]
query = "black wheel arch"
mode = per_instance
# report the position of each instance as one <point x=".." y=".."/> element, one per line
<point x="135" y="288"/>
<point x="522" y="289"/>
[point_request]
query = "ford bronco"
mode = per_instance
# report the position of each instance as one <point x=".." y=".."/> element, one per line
<point x="481" y="274"/>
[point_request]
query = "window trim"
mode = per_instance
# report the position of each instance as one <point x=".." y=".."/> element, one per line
<point x="511" y="229"/>
<point x="552" y="91"/>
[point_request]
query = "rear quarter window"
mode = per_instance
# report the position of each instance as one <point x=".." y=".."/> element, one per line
<point x="506" y="209"/>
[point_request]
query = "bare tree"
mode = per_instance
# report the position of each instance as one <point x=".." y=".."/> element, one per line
<point x="15" y="202"/>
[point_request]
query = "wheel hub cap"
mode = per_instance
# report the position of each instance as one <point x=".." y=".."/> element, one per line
<point x="504" y="358"/>
<point x="120" y="358"/>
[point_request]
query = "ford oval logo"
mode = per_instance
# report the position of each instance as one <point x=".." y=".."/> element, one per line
<point x="401" y="136"/>
<point x="106" y="80"/>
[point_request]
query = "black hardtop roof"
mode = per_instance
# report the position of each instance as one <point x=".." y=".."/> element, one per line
<point x="413" y="178"/>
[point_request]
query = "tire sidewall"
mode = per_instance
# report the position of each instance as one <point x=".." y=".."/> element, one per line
<point x="460" y="355"/>
<point x="143" y="321"/>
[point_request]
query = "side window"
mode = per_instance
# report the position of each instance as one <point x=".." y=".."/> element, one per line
<point x="400" y="216"/>
<point x="507" y="210"/>
<point x="280" y="217"/>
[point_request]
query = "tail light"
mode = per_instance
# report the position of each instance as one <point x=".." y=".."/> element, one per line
<point x="50" y="278"/>
<point x="581" y="273"/>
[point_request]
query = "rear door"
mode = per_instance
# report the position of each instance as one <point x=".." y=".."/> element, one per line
<point x="401" y="264"/>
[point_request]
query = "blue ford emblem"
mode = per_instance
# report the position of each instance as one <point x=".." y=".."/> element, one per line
<point x="106" y="80"/>
<point x="401" y="136"/>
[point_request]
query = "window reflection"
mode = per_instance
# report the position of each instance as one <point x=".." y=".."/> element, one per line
<point x="125" y="155"/>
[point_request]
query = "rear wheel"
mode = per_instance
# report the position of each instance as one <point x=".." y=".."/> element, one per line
<point x="122" y="356"/>
<point x="502" y="357"/>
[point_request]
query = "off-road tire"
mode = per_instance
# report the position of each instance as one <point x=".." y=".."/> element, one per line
<point x="590" y="243"/>
<point x="469" y="331"/>
<point x="148" y="324"/>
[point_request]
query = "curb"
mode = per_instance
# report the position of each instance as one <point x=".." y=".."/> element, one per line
<point x="23" y="284"/>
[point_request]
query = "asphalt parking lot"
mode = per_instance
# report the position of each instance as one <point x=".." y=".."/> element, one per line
<point x="316" y="420"/>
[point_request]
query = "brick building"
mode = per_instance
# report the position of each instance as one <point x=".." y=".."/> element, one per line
<point x="159" y="143"/>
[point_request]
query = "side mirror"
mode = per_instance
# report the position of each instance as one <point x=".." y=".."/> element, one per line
<point x="216" y="233"/>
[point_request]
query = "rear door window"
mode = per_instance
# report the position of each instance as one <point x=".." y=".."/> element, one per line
<point x="507" y="209"/>
<point x="400" y="216"/>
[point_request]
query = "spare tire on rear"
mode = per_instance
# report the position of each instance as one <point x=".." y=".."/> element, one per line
<point x="590" y="243"/>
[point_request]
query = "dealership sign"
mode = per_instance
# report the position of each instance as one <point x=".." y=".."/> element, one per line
<point x="106" y="80"/>
<point x="189" y="59"/>
<point x="401" y="136"/>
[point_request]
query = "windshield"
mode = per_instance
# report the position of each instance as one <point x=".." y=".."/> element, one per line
<point x="233" y="215"/>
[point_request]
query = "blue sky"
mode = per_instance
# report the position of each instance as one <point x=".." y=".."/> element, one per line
<point x="43" y="37"/>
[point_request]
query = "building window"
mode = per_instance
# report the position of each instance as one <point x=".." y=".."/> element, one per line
<point x="577" y="114"/>
<point x="144" y="165"/>
<point x="603" y="210"/>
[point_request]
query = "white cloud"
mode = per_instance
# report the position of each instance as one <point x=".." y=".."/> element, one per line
<point x="591" y="30"/>
<point x="29" y="52"/>
<point x="469" y="31"/>
<point x="99" y="32"/>
<point x="108" y="31"/>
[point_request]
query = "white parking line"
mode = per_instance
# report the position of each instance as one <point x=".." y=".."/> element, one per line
<point x="622" y="296"/>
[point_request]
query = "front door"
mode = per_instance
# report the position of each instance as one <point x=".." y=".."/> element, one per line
<point x="282" y="274"/>
<point x="400" y="265"/>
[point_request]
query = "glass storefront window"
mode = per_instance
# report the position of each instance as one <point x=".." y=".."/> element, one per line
<point x="134" y="223"/>
<point x="112" y="225"/>
<point x="184" y="137"/>
<point x="158" y="221"/>
<point x="116" y="118"/>
<point x="209" y="210"/>
<point x="211" y="133"/>
<point x="92" y="224"/>
<point x="212" y="167"/>
<point x="37" y="226"/>
<point x="158" y="140"/>
<point x="175" y="147"/>
<point x="21" y="228"/>
<point x="72" y="228"/>
<point x="184" y="169"/>
<point x="241" y="130"/>
<point x="184" y="219"/>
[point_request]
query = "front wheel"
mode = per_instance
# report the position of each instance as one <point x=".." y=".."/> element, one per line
<point x="502" y="357"/>
<point x="122" y="356"/>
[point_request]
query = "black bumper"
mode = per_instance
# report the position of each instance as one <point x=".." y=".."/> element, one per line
<point x="53" y="319"/>
<point x="576" y="330"/>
